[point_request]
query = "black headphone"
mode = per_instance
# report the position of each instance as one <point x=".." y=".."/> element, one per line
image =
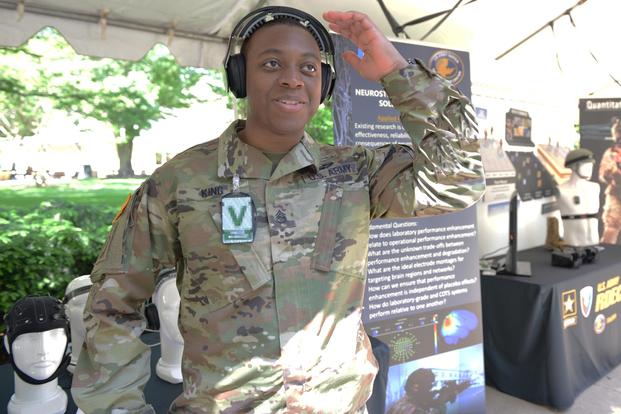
<point x="150" y="310"/>
<point x="235" y="65"/>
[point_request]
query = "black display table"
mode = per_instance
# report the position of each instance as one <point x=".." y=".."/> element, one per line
<point x="542" y="341"/>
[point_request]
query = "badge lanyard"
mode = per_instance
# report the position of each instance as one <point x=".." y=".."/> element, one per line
<point x="238" y="216"/>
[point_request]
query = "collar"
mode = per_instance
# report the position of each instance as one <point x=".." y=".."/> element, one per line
<point x="237" y="157"/>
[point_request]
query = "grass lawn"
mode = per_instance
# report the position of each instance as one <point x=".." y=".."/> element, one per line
<point x="103" y="192"/>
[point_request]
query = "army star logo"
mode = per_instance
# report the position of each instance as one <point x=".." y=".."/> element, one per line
<point x="569" y="308"/>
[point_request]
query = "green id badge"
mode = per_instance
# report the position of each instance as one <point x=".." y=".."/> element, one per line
<point x="238" y="218"/>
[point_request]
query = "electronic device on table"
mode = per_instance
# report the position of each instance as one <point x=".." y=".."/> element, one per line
<point x="509" y="265"/>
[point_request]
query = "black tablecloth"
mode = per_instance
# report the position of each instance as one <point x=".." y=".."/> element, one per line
<point x="539" y="346"/>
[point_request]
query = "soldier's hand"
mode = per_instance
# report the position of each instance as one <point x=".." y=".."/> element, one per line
<point x="380" y="56"/>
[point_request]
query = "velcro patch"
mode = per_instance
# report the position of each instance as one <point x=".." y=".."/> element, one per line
<point x="216" y="190"/>
<point x="349" y="168"/>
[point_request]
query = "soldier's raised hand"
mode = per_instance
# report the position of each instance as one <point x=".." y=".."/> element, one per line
<point x="380" y="56"/>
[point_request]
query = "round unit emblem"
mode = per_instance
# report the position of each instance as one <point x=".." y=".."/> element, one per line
<point x="448" y="65"/>
<point x="599" y="324"/>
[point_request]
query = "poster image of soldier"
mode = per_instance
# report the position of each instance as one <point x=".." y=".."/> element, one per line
<point x="448" y="383"/>
<point x="598" y="120"/>
<point x="532" y="179"/>
<point x="408" y="338"/>
<point x="610" y="176"/>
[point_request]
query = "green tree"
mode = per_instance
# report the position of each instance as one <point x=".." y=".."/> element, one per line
<point x="320" y="127"/>
<point x="128" y="96"/>
<point x="20" y="112"/>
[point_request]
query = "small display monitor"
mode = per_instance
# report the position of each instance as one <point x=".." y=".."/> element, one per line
<point x="518" y="128"/>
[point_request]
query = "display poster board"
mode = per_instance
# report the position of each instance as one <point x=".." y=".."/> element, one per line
<point x="499" y="172"/>
<point x="422" y="294"/>
<point x="597" y="118"/>
<point x="533" y="181"/>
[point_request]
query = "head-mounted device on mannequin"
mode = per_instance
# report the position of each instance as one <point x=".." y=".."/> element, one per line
<point x="34" y="314"/>
<point x="576" y="157"/>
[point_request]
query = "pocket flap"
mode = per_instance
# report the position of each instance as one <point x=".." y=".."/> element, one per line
<point x="248" y="260"/>
<point x="326" y="235"/>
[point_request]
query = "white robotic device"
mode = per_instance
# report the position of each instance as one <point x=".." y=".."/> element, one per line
<point x="579" y="201"/>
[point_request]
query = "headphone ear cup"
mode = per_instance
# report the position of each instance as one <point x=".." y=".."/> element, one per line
<point x="327" y="81"/>
<point x="153" y="319"/>
<point x="236" y="75"/>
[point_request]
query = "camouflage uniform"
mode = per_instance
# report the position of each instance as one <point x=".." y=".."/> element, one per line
<point x="610" y="175"/>
<point x="273" y="326"/>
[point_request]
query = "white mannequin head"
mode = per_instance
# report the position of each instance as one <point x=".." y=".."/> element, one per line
<point x="76" y="294"/>
<point x="584" y="170"/>
<point x="581" y="163"/>
<point x="39" y="354"/>
<point x="36" y="338"/>
<point x="167" y="300"/>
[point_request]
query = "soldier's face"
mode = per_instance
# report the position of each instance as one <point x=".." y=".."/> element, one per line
<point x="283" y="79"/>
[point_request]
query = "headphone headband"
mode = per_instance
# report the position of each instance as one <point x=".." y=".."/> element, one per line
<point x="77" y="292"/>
<point x="234" y="64"/>
<point x="259" y="17"/>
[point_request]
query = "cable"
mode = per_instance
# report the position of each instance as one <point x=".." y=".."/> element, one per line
<point x="427" y="17"/>
<point x="571" y="19"/>
<point x="493" y="252"/>
<point x="521" y="42"/>
<point x="396" y="29"/>
<point x="446" y="16"/>
<point x="558" y="60"/>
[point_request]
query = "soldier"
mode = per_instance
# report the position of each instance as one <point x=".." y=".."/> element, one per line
<point x="610" y="175"/>
<point x="269" y="231"/>
<point x="422" y="398"/>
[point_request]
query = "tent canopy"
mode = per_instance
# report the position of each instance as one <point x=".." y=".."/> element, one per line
<point x="555" y="63"/>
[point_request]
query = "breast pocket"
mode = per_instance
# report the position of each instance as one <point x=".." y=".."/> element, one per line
<point x="342" y="237"/>
<point x="219" y="274"/>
